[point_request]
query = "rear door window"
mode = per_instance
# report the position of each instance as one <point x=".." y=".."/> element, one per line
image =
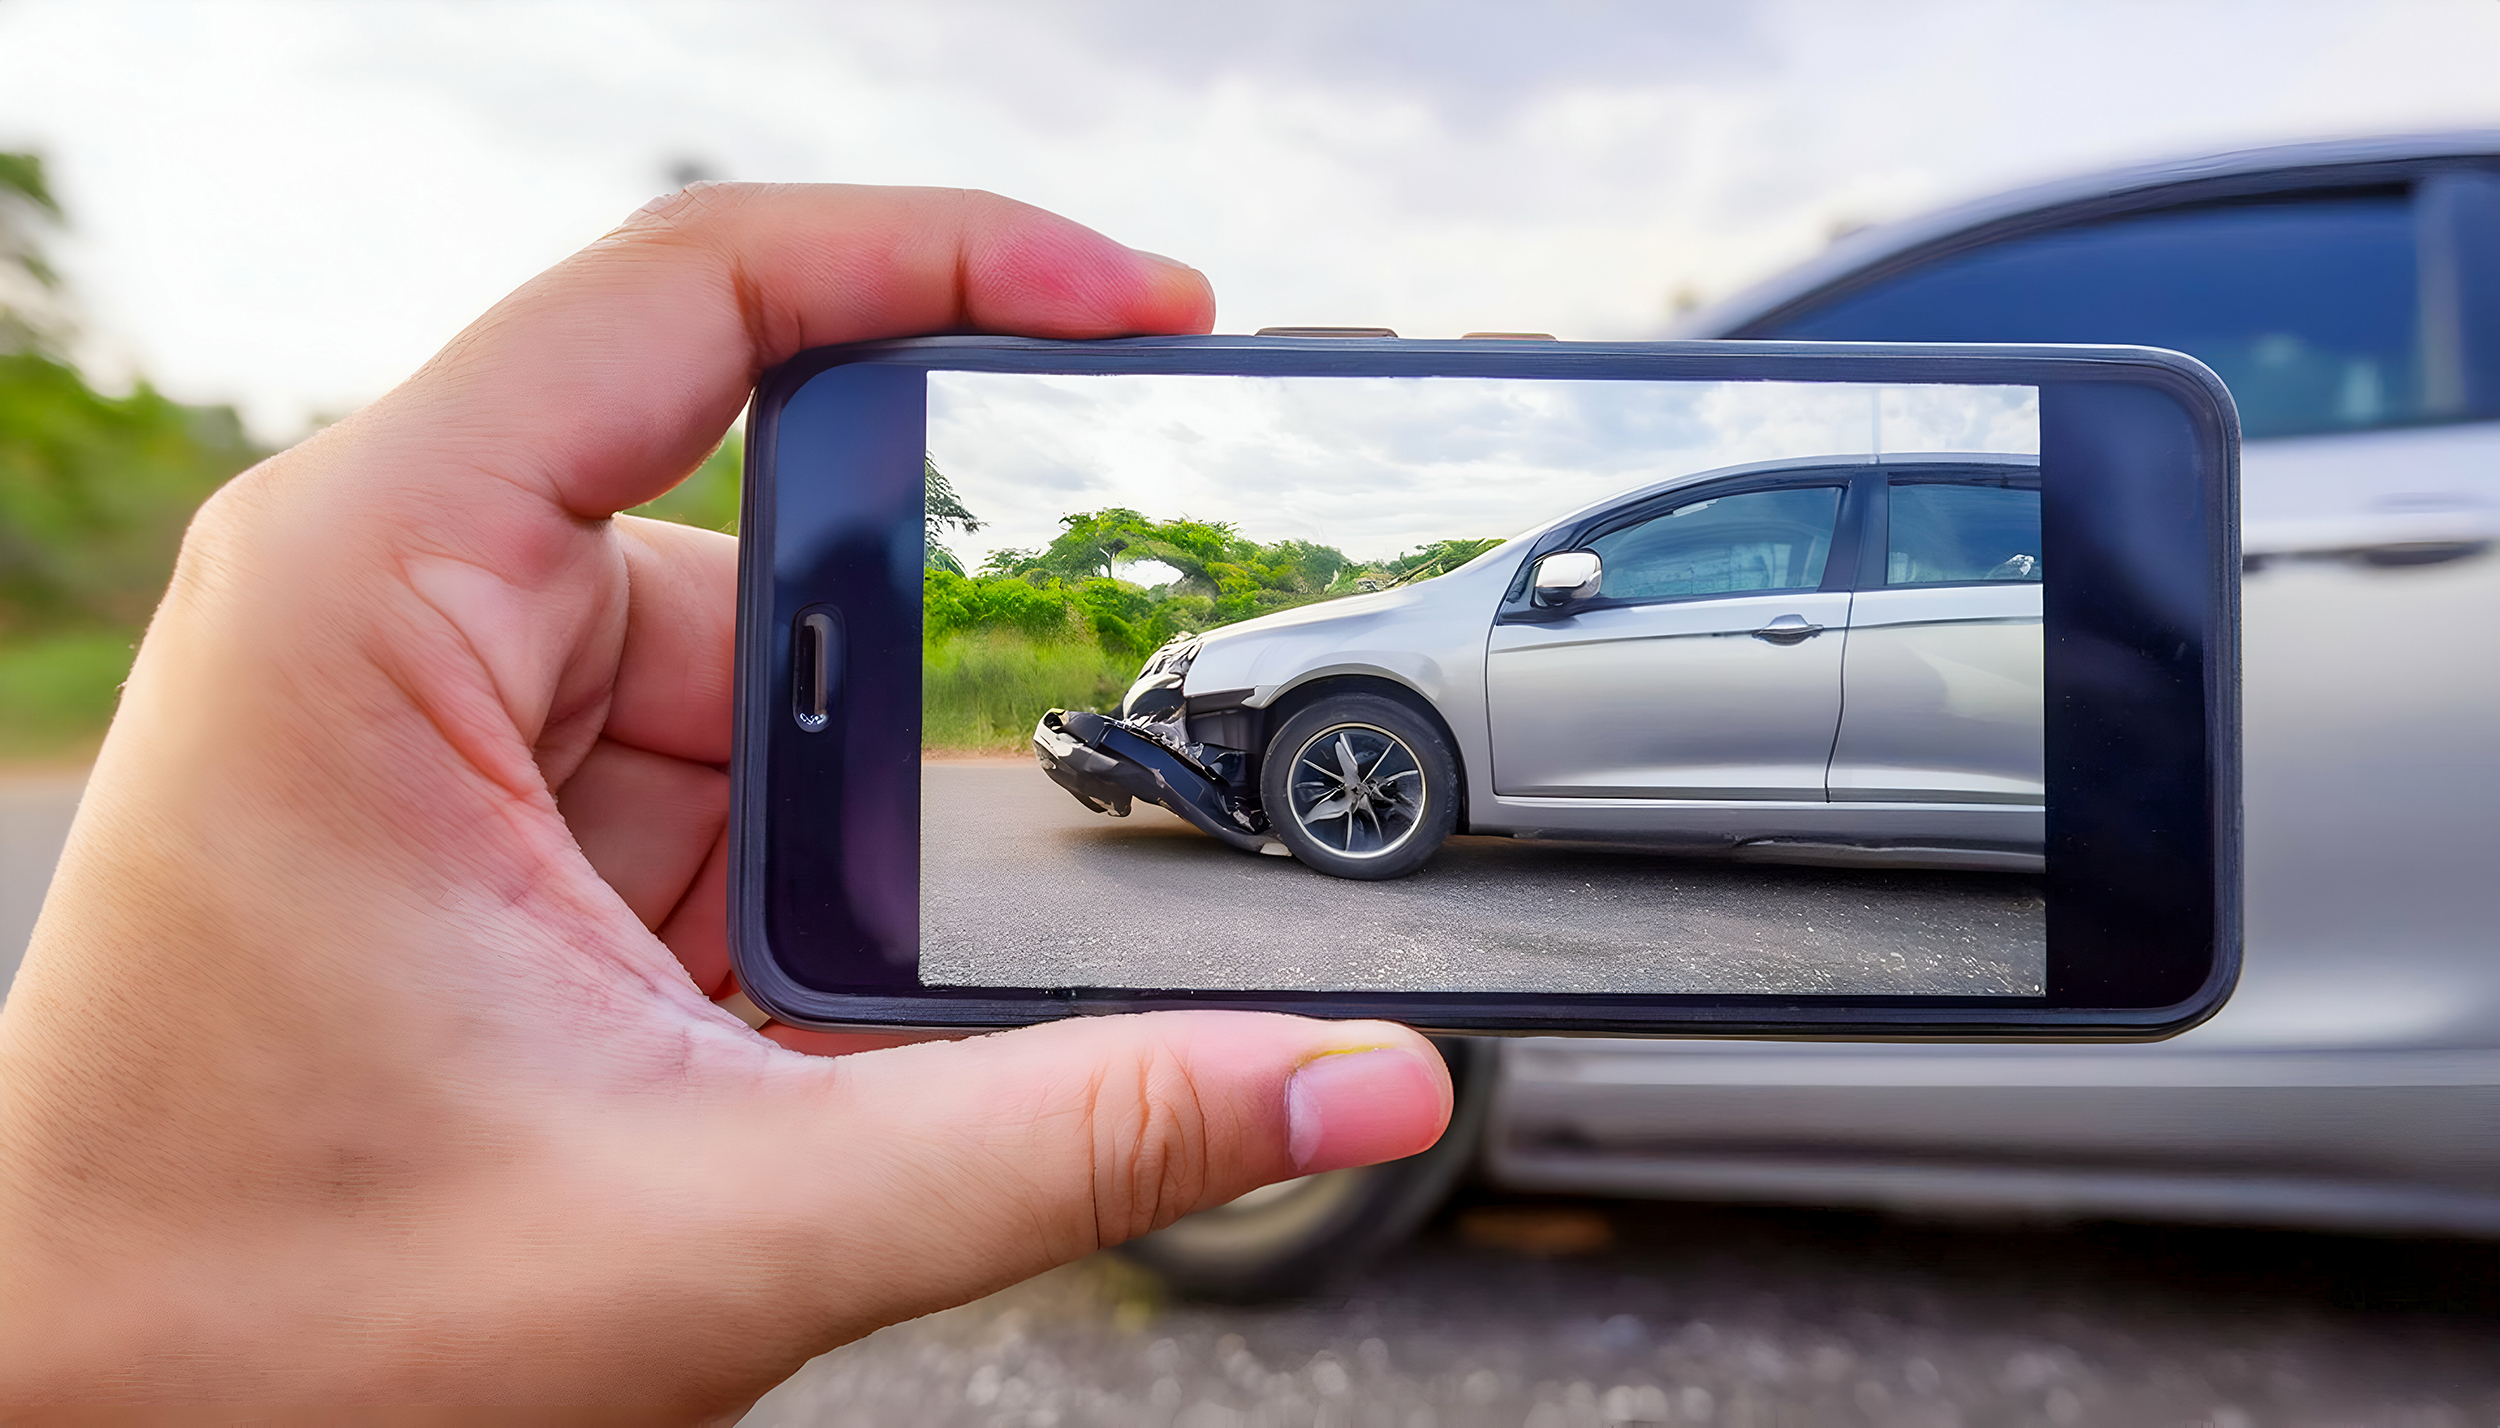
<point x="1955" y="534"/>
<point x="2309" y="308"/>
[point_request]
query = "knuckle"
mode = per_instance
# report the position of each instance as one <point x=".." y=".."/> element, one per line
<point x="220" y="533"/>
<point x="1152" y="1141"/>
<point x="678" y="212"/>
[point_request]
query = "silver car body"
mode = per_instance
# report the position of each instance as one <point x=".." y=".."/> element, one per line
<point x="2353" y="1079"/>
<point x="1690" y="723"/>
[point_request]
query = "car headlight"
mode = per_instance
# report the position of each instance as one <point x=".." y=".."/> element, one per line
<point x="1175" y="655"/>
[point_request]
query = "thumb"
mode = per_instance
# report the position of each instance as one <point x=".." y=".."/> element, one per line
<point x="968" y="1165"/>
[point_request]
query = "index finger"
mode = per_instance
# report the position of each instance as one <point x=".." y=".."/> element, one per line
<point x="604" y="380"/>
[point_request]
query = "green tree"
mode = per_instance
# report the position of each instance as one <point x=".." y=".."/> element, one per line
<point x="940" y="508"/>
<point x="1439" y="558"/>
<point x="1215" y="561"/>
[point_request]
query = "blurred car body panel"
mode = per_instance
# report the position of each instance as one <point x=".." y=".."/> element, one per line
<point x="2350" y="294"/>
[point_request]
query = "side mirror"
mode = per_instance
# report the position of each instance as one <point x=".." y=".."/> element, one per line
<point x="1566" y="576"/>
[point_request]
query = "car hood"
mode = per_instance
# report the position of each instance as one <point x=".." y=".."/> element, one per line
<point x="1345" y="609"/>
<point x="1355" y="611"/>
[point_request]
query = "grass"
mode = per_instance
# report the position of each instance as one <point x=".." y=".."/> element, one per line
<point x="982" y="691"/>
<point x="57" y="692"/>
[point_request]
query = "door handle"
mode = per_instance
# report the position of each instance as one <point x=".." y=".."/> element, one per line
<point x="1788" y="630"/>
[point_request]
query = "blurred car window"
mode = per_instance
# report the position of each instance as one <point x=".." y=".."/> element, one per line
<point x="1953" y="534"/>
<point x="2308" y="308"/>
<point x="1755" y="540"/>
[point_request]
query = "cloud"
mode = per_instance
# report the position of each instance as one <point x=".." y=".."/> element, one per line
<point x="1377" y="465"/>
<point x="293" y="205"/>
<point x="1470" y="63"/>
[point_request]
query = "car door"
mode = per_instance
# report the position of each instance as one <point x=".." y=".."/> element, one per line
<point x="1941" y="683"/>
<point x="1707" y="667"/>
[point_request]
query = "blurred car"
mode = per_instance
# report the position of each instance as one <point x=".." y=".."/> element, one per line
<point x="1554" y="686"/>
<point x="2349" y="292"/>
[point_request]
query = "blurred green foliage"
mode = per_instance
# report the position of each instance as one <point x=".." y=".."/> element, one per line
<point x="709" y="497"/>
<point x="27" y="208"/>
<point x="96" y="490"/>
<point x="57" y="691"/>
<point x="94" y="494"/>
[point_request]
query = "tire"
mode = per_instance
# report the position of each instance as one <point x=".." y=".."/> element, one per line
<point x="1297" y="1236"/>
<point x="1359" y="786"/>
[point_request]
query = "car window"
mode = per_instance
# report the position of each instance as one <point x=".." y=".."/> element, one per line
<point x="1951" y="534"/>
<point x="2308" y="308"/>
<point x="1753" y="540"/>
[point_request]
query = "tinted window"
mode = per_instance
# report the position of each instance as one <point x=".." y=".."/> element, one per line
<point x="2308" y="310"/>
<point x="1948" y="534"/>
<point x="1758" y="540"/>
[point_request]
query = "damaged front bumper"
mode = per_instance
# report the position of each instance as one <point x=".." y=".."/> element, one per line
<point x="1109" y="762"/>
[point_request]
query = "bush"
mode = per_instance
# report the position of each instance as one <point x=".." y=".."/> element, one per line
<point x="94" y="494"/>
<point x="1036" y="631"/>
<point x="59" y="691"/>
<point x="982" y="690"/>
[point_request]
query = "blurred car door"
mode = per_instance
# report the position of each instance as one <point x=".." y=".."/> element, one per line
<point x="2350" y="295"/>
<point x="1707" y="667"/>
<point x="1941" y="684"/>
<point x="2364" y="379"/>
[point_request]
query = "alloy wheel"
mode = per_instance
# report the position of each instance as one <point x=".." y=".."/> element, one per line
<point x="1357" y="790"/>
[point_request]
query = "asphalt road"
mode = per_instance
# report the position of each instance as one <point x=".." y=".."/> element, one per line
<point x="1657" y="1314"/>
<point x="1021" y="885"/>
<point x="35" y="810"/>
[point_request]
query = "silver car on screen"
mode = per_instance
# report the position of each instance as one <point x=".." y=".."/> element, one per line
<point x="1831" y="660"/>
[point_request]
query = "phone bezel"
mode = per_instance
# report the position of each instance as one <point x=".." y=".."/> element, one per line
<point x="2147" y="845"/>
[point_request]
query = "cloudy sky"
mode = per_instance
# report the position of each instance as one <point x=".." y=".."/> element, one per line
<point x="288" y="204"/>
<point x="1377" y="465"/>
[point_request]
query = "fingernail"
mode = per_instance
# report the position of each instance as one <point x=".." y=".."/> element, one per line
<point x="1159" y="258"/>
<point x="1360" y="1108"/>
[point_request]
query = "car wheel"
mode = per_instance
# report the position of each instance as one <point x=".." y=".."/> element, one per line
<point x="1359" y="786"/>
<point x="1298" y="1235"/>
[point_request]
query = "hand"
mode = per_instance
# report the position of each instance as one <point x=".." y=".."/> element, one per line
<point x="366" y="1050"/>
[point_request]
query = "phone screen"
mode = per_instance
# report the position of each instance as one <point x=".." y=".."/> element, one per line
<point x="1478" y="684"/>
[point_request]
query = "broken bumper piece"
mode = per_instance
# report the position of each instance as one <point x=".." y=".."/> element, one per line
<point x="1107" y="764"/>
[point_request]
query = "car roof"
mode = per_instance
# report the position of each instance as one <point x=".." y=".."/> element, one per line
<point x="2236" y="173"/>
<point x="1786" y="464"/>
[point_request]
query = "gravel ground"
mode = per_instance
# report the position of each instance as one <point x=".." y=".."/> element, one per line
<point x="1022" y="886"/>
<point x="1542" y="1314"/>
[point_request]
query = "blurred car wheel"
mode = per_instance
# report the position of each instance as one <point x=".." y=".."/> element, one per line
<point x="1296" y="1236"/>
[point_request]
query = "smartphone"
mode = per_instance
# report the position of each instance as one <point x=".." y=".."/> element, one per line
<point x="1494" y="685"/>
